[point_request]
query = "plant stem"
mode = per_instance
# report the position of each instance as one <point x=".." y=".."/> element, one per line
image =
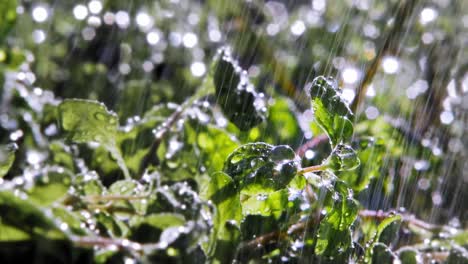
<point x="205" y="89"/>
<point x="392" y="42"/>
<point x="313" y="143"/>
<point x="315" y="168"/>
<point x="114" y="197"/>
<point x="299" y="227"/>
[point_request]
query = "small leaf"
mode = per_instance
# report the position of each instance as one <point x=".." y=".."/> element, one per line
<point x="331" y="112"/>
<point x="7" y="157"/>
<point x="342" y="158"/>
<point x="236" y="95"/>
<point x="370" y="152"/>
<point x="89" y="121"/>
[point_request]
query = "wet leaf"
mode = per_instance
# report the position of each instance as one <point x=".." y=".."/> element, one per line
<point x="89" y="121"/>
<point x="151" y="228"/>
<point x="272" y="204"/>
<point x="382" y="254"/>
<point x="86" y="121"/>
<point x="342" y="158"/>
<point x="7" y="157"/>
<point x="71" y="219"/>
<point x="261" y="168"/>
<point x="108" y="225"/>
<point x="331" y="112"/>
<point x="88" y="184"/>
<point x="334" y="234"/>
<point x="387" y="230"/>
<point x="225" y="235"/>
<point x="50" y="186"/>
<point x="235" y="94"/>
<point x="458" y="255"/>
<point x="408" y="255"/>
<point x="370" y="152"/>
<point x="282" y="124"/>
<point x="23" y="218"/>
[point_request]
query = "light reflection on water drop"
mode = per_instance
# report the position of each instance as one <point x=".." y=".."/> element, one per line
<point x="80" y="12"/>
<point x="40" y="14"/>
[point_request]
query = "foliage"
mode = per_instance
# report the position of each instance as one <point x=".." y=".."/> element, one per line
<point x="118" y="144"/>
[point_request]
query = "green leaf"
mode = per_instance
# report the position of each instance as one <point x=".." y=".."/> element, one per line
<point x="408" y="255"/>
<point x="51" y="185"/>
<point x="71" y="219"/>
<point x="88" y="184"/>
<point x="334" y="234"/>
<point x="458" y="255"/>
<point x="124" y="187"/>
<point x="272" y="204"/>
<point x="87" y="121"/>
<point x="331" y="112"/>
<point x="22" y="217"/>
<point x="213" y="143"/>
<point x="235" y="94"/>
<point x="261" y="168"/>
<point x="282" y="124"/>
<point x="382" y="254"/>
<point x="7" y="157"/>
<point x="370" y="152"/>
<point x="225" y="235"/>
<point x="150" y="228"/>
<point x="342" y="158"/>
<point x="61" y="155"/>
<point x="8" y="16"/>
<point x="387" y="230"/>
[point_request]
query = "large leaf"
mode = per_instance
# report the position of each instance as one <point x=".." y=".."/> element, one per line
<point x="272" y="204"/>
<point x="50" y="185"/>
<point x="7" y="157"/>
<point x="235" y="94"/>
<point x="261" y="168"/>
<point x="387" y="230"/>
<point x="334" y="234"/>
<point x="87" y="121"/>
<point x="342" y="158"/>
<point x="24" y="220"/>
<point x="331" y="112"/>
<point x="225" y="235"/>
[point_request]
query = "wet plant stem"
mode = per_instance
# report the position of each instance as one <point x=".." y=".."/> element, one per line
<point x="205" y="89"/>
<point x="391" y="44"/>
<point x="315" y="168"/>
<point x="301" y="227"/>
<point x="115" y="197"/>
<point x="311" y="144"/>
